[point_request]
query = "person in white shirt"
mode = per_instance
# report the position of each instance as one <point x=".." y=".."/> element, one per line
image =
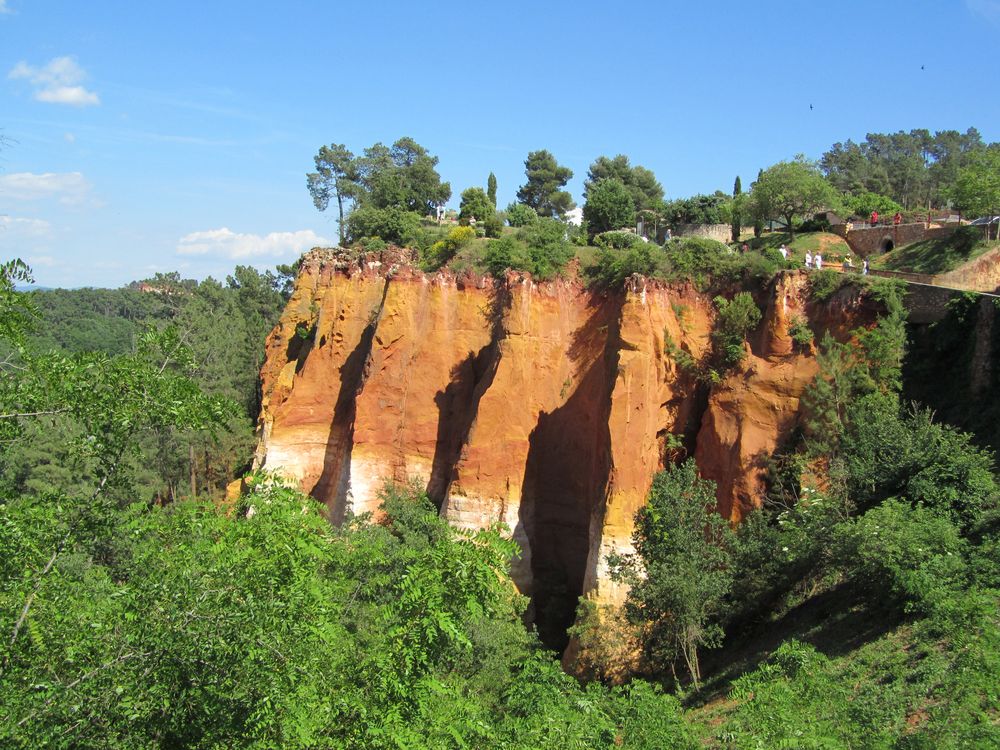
<point x="809" y="259"/>
<point x="818" y="261"/>
<point x="784" y="251"/>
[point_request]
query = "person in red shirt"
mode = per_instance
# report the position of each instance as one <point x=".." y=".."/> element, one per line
<point x="897" y="219"/>
<point x="874" y="218"/>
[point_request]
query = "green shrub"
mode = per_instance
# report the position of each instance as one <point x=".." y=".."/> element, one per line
<point x="614" y="266"/>
<point x="618" y="240"/>
<point x="802" y="335"/>
<point x="734" y="320"/>
<point x="519" y="215"/>
<point x="390" y="224"/>
<point x="548" y="249"/>
<point x="505" y="253"/>
<point x="824" y="284"/>
<point x="912" y="554"/>
<point x="444" y="250"/>
<point x="492" y="226"/>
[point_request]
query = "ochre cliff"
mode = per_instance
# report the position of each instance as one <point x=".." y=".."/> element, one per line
<point x="545" y="406"/>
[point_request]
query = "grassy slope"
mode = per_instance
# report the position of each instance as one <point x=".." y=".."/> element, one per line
<point x="931" y="256"/>
<point x="832" y="246"/>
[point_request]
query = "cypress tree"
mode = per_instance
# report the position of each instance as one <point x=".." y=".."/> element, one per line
<point x="491" y="189"/>
<point x="758" y="222"/>
<point x="737" y="209"/>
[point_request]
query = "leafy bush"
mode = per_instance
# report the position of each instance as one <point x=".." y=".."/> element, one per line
<point x="910" y="553"/>
<point x="492" y="226"/>
<point x="519" y="215"/>
<point x="390" y="224"/>
<point x="505" y="253"/>
<point x="618" y="240"/>
<point x="734" y="320"/>
<point x="825" y="283"/>
<point x="548" y="249"/>
<point x="444" y="250"/>
<point x="614" y="266"/>
<point x="802" y="335"/>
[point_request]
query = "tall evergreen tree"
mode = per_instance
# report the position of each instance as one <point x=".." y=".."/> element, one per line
<point x="737" y="209"/>
<point x="491" y="189"/>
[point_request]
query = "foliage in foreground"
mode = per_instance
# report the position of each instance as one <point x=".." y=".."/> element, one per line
<point x="266" y="627"/>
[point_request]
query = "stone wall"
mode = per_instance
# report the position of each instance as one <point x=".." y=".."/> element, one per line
<point x="874" y="240"/>
<point x="719" y="232"/>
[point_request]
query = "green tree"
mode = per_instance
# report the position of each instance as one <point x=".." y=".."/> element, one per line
<point x="335" y="176"/>
<point x="491" y="189"/>
<point x="737" y="209"/>
<point x="641" y="183"/>
<point x="475" y="203"/>
<point x="609" y="206"/>
<point x="543" y="190"/>
<point x="791" y="189"/>
<point x="392" y="224"/>
<point x="977" y="189"/>
<point x="864" y="203"/>
<point x="679" y="573"/>
<point x="401" y="177"/>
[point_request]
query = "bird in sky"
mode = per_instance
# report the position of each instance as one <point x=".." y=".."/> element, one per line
<point x="810" y="106"/>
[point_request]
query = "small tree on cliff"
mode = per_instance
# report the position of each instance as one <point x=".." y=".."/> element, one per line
<point x="680" y="570"/>
<point x="335" y="177"/>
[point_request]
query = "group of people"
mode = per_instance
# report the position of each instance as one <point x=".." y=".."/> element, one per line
<point x="896" y="220"/>
<point x="816" y="261"/>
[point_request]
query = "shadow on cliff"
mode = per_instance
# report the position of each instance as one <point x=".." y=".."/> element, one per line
<point x="567" y="473"/>
<point x="458" y="403"/>
<point x="332" y="485"/>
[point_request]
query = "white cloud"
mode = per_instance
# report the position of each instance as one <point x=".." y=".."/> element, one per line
<point x="229" y="244"/>
<point x="4" y="8"/>
<point x="57" y="82"/>
<point x="70" y="137"/>
<point x="989" y="9"/>
<point x="23" y="227"/>
<point x="71" y="188"/>
<point x="42" y="260"/>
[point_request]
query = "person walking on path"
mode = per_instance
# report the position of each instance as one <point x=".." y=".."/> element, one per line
<point x="864" y="267"/>
<point x="809" y="259"/>
<point x="818" y="261"/>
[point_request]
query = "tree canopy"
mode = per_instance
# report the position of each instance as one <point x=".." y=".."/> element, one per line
<point x="791" y="189"/>
<point x="641" y="184"/>
<point x="915" y="168"/>
<point x="609" y="206"/>
<point x="976" y="191"/>
<point x="543" y="191"/>
<point x="402" y="177"/>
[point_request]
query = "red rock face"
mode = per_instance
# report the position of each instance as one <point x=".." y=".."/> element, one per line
<point x="546" y="406"/>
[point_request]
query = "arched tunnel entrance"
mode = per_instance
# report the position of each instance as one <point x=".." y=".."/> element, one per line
<point x="886" y="245"/>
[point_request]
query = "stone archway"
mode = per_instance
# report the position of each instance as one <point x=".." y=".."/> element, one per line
<point x="886" y="245"/>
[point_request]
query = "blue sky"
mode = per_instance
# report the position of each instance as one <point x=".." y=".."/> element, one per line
<point x="146" y="137"/>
